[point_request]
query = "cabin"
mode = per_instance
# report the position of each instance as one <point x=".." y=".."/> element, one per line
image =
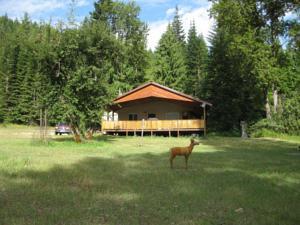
<point x="153" y="108"/>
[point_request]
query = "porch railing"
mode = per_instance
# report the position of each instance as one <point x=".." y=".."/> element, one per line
<point x="153" y="125"/>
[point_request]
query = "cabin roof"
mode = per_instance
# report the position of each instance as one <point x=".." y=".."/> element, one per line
<point x="152" y="89"/>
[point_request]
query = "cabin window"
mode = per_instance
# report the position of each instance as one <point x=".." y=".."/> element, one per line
<point x="133" y="116"/>
<point x="151" y="115"/>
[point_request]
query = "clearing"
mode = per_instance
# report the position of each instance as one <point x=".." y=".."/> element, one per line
<point x="119" y="180"/>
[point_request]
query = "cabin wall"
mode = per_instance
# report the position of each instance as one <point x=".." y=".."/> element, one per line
<point x="160" y="108"/>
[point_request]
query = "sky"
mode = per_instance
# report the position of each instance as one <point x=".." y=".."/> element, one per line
<point x="155" y="13"/>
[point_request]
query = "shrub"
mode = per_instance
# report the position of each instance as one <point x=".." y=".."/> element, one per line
<point x="264" y="126"/>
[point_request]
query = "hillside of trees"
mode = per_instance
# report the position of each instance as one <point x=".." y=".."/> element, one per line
<point x="250" y="70"/>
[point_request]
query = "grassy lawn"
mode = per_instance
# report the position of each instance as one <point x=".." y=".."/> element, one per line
<point x="119" y="180"/>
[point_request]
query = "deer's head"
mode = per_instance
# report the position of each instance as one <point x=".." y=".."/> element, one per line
<point x="193" y="142"/>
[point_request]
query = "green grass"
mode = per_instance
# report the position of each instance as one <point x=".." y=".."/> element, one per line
<point x="119" y="180"/>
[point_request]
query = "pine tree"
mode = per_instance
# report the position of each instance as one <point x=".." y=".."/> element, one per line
<point x="170" y="69"/>
<point x="178" y="27"/>
<point x="12" y="82"/>
<point x="127" y="41"/>
<point x="238" y="62"/>
<point x="197" y="54"/>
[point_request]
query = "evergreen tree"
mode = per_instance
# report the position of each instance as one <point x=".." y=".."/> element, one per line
<point x="129" y="41"/>
<point x="238" y="61"/>
<point x="72" y="72"/>
<point x="178" y="27"/>
<point x="197" y="55"/>
<point x="170" y="69"/>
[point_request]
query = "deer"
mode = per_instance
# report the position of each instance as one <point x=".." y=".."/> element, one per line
<point x="182" y="151"/>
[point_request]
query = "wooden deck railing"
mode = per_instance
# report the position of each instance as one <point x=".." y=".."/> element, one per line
<point x="153" y="125"/>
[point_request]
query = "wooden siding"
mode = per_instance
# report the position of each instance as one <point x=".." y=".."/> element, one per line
<point x="160" y="108"/>
<point x="153" y="125"/>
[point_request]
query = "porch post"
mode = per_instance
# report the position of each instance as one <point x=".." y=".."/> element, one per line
<point x="143" y="127"/>
<point x="204" y="118"/>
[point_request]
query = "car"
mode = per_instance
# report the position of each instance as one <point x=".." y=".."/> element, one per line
<point x="62" y="128"/>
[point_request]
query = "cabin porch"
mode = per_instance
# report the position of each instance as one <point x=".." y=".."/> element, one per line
<point x="153" y="126"/>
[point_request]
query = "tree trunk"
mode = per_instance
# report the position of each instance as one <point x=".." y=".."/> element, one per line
<point x="267" y="107"/>
<point x="41" y="124"/>
<point x="45" y="126"/>
<point x="77" y="137"/>
<point x="275" y="99"/>
<point x="89" y="134"/>
<point x="6" y="84"/>
<point x="244" y="129"/>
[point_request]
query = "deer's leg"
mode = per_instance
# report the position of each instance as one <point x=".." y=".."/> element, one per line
<point x="186" y="161"/>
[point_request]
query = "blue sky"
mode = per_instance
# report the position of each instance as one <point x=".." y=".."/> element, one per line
<point x="156" y="13"/>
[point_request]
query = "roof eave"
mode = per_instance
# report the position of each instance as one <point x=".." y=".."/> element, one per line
<point x="163" y="87"/>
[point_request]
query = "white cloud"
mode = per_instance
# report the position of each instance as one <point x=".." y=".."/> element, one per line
<point x="170" y="12"/>
<point x="81" y="3"/>
<point x="35" y="8"/>
<point x="200" y="15"/>
<point x="16" y="8"/>
<point x="152" y="2"/>
<point x="156" y="29"/>
<point x="202" y="20"/>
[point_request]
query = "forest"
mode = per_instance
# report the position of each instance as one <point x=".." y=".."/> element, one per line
<point x="249" y="70"/>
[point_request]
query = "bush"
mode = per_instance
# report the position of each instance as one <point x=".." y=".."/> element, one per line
<point x="290" y="118"/>
<point x="286" y="121"/>
<point x="265" y="126"/>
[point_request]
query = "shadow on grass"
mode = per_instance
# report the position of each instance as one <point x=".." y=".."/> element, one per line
<point x="70" y="138"/>
<point x="257" y="178"/>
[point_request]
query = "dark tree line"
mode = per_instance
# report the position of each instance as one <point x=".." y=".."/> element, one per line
<point x="71" y="71"/>
<point x="254" y="64"/>
<point x="250" y="71"/>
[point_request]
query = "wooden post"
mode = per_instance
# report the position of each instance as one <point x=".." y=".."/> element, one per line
<point x="151" y="133"/>
<point x="126" y="133"/>
<point x="177" y="128"/>
<point x="134" y="133"/>
<point x="204" y="117"/>
<point x="169" y="133"/>
<point x="143" y="128"/>
<point x="142" y="133"/>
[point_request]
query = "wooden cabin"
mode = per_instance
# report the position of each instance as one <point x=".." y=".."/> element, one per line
<point x="154" y="108"/>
